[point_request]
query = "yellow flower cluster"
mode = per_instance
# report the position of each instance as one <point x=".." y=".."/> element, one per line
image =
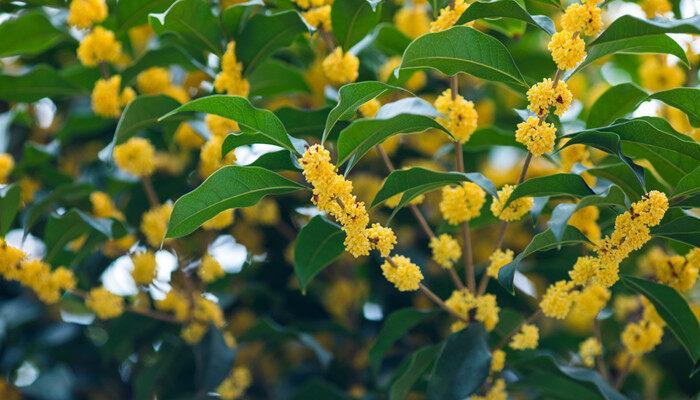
<point x="304" y="4"/>
<point x="589" y="349"/>
<point x="416" y="82"/>
<point x="82" y="14"/>
<point x="370" y="108"/>
<point x="156" y="80"/>
<point x="449" y="16"/>
<point x="497" y="260"/>
<point x="404" y="274"/>
<point x="343" y="295"/>
<point x="144" y="267"/>
<point x="210" y="269"/>
<point x="220" y="221"/>
<point x="205" y="312"/>
<point x="235" y="385"/>
<point x="230" y="79"/>
<point x="412" y="21"/>
<point x="341" y="67"/>
<point x="641" y="337"/>
<point x="653" y="8"/>
<point x="496" y="392"/>
<point x="446" y="250"/>
<point x="515" y="210"/>
<point x="220" y="126"/>
<point x="498" y="360"/>
<point x="154" y="223"/>
<point x="99" y="46"/>
<point x="586" y="221"/>
<point x="583" y="18"/>
<point x="319" y="17"/>
<point x="176" y="303"/>
<point x="265" y="212"/>
<point x="656" y="74"/>
<point x="591" y="300"/>
<point x="37" y="275"/>
<point x="332" y="193"/>
<point x="106" y="98"/>
<point x="104" y="304"/>
<point x="461" y="203"/>
<point x="559" y="299"/>
<point x="210" y="158"/>
<point x="567" y="48"/>
<point x="103" y="206"/>
<point x="7" y="164"/>
<point x="462" y="118"/>
<point x="187" y="138"/>
<point x="538" y="136"/>
<point x="544" y="95"/>
<point x="484" y="309"/>
<point x="136" y="156"/>
<point x="679" y="272"/>
<point x="527" y="338"/>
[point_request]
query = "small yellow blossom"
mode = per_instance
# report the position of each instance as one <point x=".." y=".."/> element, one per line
<point x="412" y="21"/>
<point x="136" y="156"/>
<point x="382" y="239"/>
<point x="107" y="101"/>
<point x="498" y="360"/>
<point x="104" y="304"/>
<point x="103" y="206"/>
<point x="319" y="17"/>
<point x="641" y="337"/>
<point x="558" y="299"/>
<point x="220" y="126"/>
<point x="176" y="303"/>
<point x="406" y="276"/>
<point x="487" y="311"/>
<point x="498" y="260"/>
<point x="462" y="118"/>
<point x="589" y="349"/>
<point x="220" y="221"/>
<point x="154" y="223"/>
<point x="679" y="272"/>
<point x="370" y="108"/>
<point x="527" y="338"/>
<point x="567" y="49"/>
<point x="496" y="392"/>
<point x="652" y="8"/>
<point x="656" y="74"/>
<point x="417" y="80"/>
<point x="7" y="164"/>
<point x="461" y="203"/>
<point x="99" y="46"/>
<point x="153" y="80"/>
<point x="449" y="16"/>
<point x="28" y="188"/>
<point x="82" y="14"/>
<point x="235" y="385"/>
<point x="515" y="210"/>
<point x="583" y="18"/>
<point x="544" y="95"/>
<point x="265" y="212"/>
<point x="230" y="79"/>
<point x="537" y="137"/>
<point x="340" y="67"/>
<point x="585" y="220"/>
<point x="210" y="157"/>
<point x="144" y="267"/>
<point x="210" y="269"/>
<point x="445" y="249"/>
<point x="187" y="138"/>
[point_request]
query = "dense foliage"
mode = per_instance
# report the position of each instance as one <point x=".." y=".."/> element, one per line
<point x="335" y="199"/>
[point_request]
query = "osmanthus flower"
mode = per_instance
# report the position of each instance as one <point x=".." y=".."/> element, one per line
<point x="538" y="136"/>
<point x="176" y="303"/>
<point x="497" y="260"/>
<point x="544" y="95"/>
<point x="369" y="109"/>
<point x="209" y="270"/>
<point x="656" y="74"/>
<point x="220" y="221"/>
<point x="498" y="360"/>
<point x="154" y="223"/>
<point x="461" y="203"/>
<point x="382" y="238"/>
<point x="319" y="17"/>
<point x="484" y="309"/>
<point x="641" y="337"/>
<point x="413" y="21"/>
<point x="104" y="304"/>
<point x="449" y="16"/>
<point x="108" y="97"/>
<point x="104" y="207"/>
<point x="588" y="350"/>
<point x="405" y="275"/>
<point x="586" y="221"/>
<point x="497" y="391"/>
<point x="230" y="79"/>
<point x="99" y="46"/>
<point x="527" y="338"/>
<point x="220" y="126"/>
<point x="341" y="67"/>
<point x="567" y="48"/>
<point x="515" y="209"/>
<point x="153" y="80"/>
<point x="210" y="157"/>
<point x="653" y="8"/>
<point x="265" y="212"/>
<point x="28" y="188"/>
<point x="416" y="82"/>
<point x="558" y="300"/>
<point x="84" y="14"/>
<point x="679" y="272"/>
<point x="445" y="249"/>
<point x="136" y="156"/>
<point x="187" y="138"/>
<point x="591" y="300"/>
<point x="235" y="385"/>
<point x="7" y="164"/>
<point x="583" y="18"/>
<point x="144" y="267"/>
<point x="461" y="116"/>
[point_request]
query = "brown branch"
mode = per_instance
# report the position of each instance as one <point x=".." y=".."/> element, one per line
<point x="150" y="191"/>
<point x="624" y="372"/>
<point x="600" y="361"/>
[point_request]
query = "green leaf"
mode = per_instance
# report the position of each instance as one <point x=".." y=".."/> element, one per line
<point x="552" y="185"/>
<point x="281" y="160"/>
<point x="29" y="33"/>
<point x="318" y="244"/>
<point x="264" y="34"/>
<point x="142" y="113"/>
<point x="229" y="187"/>
<point x="234" y="140"/>
<point x="61" y="229"/>
<point x="390" y="40"/>
<point x="233" y="17"/>
<point x="397" y="324"/>
<point x="164" y="56"/>
<point x="9" y="205"/>
<point x="463" y="49"/>
<point x="540" y="242"/>
<point x="35" y="84"/>
<point x="685" y="99"/>
<point x="240" y="110"/>
<point x="616" y="102"/>
<point x="216" y="360"/>
<point x="78" y="126"/>
<point x="273" y="78"/>
<point x="351" y="97"/>
<point x="315" y="388"/>
<point x="301" y="122"/>
<point x="628" y="26"/>
<point x="411" y="370"/>
<point x="505" y="9"/>
<point x="65" y="194"/>
<point x="193" y="24"/>
<point x="688" y="185"/>
<point x="484" y="138"/>
<point x="270" y="331"/>
<point x="352" y="20"/>
<point x="131" y="13"/>
<point x="685" y="229"/>
<point x="673" y="309"/>
<point x="613" y="196"/>
<point x="420" y="180"/>
<point x="462" y="366"/>
<point x="362" y="134"/>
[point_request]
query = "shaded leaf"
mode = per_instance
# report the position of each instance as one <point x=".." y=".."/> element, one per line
<point x="193" y="24"/>
<point x="616" y="102"/>
<point x="412" y="369"/>
<point x="318" y="244"/>
<point x="352" y="20"/>
<point x="685" y="99"/>
<point x="688" y="185"/>
<point x="142" y="113"/>
<point x="29" y="33"/>
<point x="272" y="332"/>
<point x="9" y="205"/>
<point x="164" y="56"/>
<point x="131" y="13"/>
<point x="274" y="78"/>
<point x="685" y="229"/>
<point x="35" y="84"/>
<point x="281" y="160"/>
<point x="233" y="18"/>
<point x="397" y="324"/>
<point x="505" y="9"/>
<point x="216" y="359"/>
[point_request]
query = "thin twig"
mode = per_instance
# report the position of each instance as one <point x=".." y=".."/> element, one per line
<point x="624" y="372"/>
<point x="467" y="257"/>
<point x="150" y="191"/>
<point x="600" y="360"/>
<point x="455" y="278"/>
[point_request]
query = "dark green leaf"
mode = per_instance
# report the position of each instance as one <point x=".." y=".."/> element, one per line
<point x="142" y="113"/>
<point x="274" y="78"/>
<point x="281" y="160"/>
<point x="41" y="81"/>
<point x="9" y="204"/>
<point x="463" y="49"/>
<point x="484" y="138"/>
<point x="300" y="122"/>
<point x="66" y="194"/>
<point x="216" y="359"/>
<point x="131" y="13"/>
<point x="552" y="185"/>
<point x="616" y="102"/>
<point x="462" y="366"/>
<point x="233" y="17"/>
<point x="685" y="99"/>
<point x="390" y="40"/>
<point x="193" y="23"/>
<point x="229" y="187"/>
<point x="395" y="327"/>
<point x="61" y="229"/>
<point x="270" y="331"/>
<point x="629" y="26"/>
<point x="29" y="33"/>
<point x="505" y="9"/>
<point x="318" y="244"/>
<point x="685" y="229"/>
<point x="352" y="20"/>
<point x="688" y="185"/>
<point x="321" y="390"/>
<point x="78" y="126"/>
<point x="411" y="371"/>
<point x="673" y="309"/>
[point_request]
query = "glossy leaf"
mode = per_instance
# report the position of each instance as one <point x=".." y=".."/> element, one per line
<point x="274" y="78"/>
<point x="193" y="24"/>
<point x="65" y="194"/>
<point x="685" y="99"/>
<point x="281" y="160"/>
<point x="397" y="325"/>
<point x="352" y="20"/>
<point x="37" y="35"/>
<point x="216" y="359"/>
<point x="616" y="102"/>
<point x="463" y="49"/>
<point x="685" y="229"/>
<point x="318" y="244"/>
<point x="552" y="185"/>
<point x="234" y="17"/>
<point x="35" y="84"/>
<point x="164" y="56"/>
<point x="229" y="187"/>
<point x="629" y="26"/>
<point x="483" y="138"/>
<point x="505" y="9"/>
<point x="674" y="310"/>
<point x="301" y="122"/>
<point x="688" y="185"/>
<point x="272" y="332"/>
<point x="142" y="113"/>
<point x="9" y="205"/>
<point x="412" y="369"/>
<point x="131" y="13"/>
<point x="61" y="229"/>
